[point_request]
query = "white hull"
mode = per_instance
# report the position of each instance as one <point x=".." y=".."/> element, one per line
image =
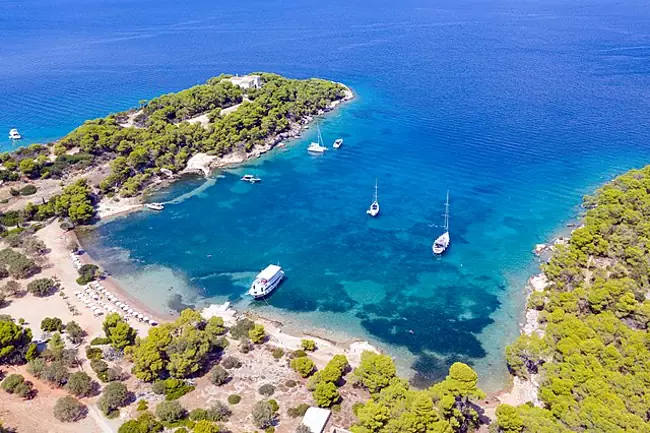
<point x="338" y="143"/>
<point x="14" y="135"/>
<point x="316" y="148"/>
<point x="374" y="209"/>
<point x="266" y="282"/>
<point x="441" y="244"/>
<point x="154" y="206"/>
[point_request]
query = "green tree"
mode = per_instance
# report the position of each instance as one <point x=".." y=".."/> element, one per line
<point x="69" y="409"/>
<point x="508" y="420"/>
<point x="114" y="396"/>
<point x="375" y="371"/>
<point x="80" y="384"/>
<point x="326" y="394"/>
<point x="263" y="414"/>
<point x="205" y="427"/>
<point x="51" y="324"/>
<point x="219" y="375"/>
<point x="74" y="332"/>
<point x="14" y="339"/>
<point x="303" y="365"/>
<point x="257" y="334"/>
<point x="308" y="345"/>
<point x="170" y="411"/>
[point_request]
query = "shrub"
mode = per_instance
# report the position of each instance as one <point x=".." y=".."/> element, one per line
<point x="278" y="353"/>
<point x="172" y="388"/>
<point x="302" y="429"/>
<point x="41" y="287"/>
<point x="145" y="423"/>
<point x="241" y="328"/>
<point x="115" y="395"/>
<point x="300" y="410"/>
<point x="198" y="414"/>
<point x="290" y="383"/>
<point x="32" y="352"/>
<point x="303" y="365"/>
<point x="28" y="190"/>
<point x="18" y="264"/>
<point x="69" y="409"/>
<point x="74" y="332"/>
<point x="51" y="324"/>
<point x="336" y="408"/>
<point x="87" y="273"/>
<point x="36" y="367"/>
<point x="244" y="345"/>
<point x="355" y="407"/>
<point x="219" y="375"/>
<point x="56" y="373"/>
<point x="79" y="384"/>
<point x="274" y="405"/>
<point x="142" y="405"/>
<point x="266" y="390"/>
<point x="11" y="382"/>
<point x="234" y="399"/>
<point x="257" y="334"/>
<point x="218" y="412"/>
<point x="269" y="430"/>
<point x="170" y="411"/>
<point x="94" y="353"/>
<point x="205" y="427"/>
<point x="100" y="341"/>
<point x="298" y="354"/>
<point x="12" y="288"/>
<point x="230" y="362"/>
<point x="308" y="345"/>
<point x="263" y="414"/>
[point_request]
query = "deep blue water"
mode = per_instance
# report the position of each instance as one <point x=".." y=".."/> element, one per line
<point x="518" y="108"/>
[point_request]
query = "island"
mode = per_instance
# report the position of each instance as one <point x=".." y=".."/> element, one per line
<point x="78" y="354"/>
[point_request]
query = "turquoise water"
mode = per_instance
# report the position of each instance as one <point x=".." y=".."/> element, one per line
<point x="517" y="109"/>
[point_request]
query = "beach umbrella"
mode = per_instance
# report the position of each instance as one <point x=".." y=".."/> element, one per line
<point x="153" y="322"/>
<point x="125" y="307"/>
<point x="146" y="319"/>
<point x="113" y="310"/>
<point x="140" y="316"/>
<point x="130" y="311"/>
<point x="87" y="290"/>
<point x="118" y="303"/>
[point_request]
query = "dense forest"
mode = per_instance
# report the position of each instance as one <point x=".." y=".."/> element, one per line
<point x="162" y="138"/>
<point x="594" y="355"/>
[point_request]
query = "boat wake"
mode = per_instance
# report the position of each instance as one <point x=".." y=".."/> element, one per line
<point x="198" y="190"/>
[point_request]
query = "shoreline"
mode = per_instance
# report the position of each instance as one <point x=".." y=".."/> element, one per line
<point x="205" y="165"/>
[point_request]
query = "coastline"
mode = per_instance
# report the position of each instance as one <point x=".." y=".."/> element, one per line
<point x="204" y="165"/>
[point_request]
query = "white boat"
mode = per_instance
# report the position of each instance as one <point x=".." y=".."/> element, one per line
<point x="373" y="210"/>
<point x="251" y="178"/>
<point x="442" y="242"/>
<point x="338" y="143"/>
<point x="266" y="281"/>
<point x="14" y="134"/>
<point x="154" y="206"/>
<point x="317" y="147"/>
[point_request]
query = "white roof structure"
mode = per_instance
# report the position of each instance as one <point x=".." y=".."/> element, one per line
<point x="247" y="81"/>
<point x="315" y="419"/>
<point x="269" y="272"/>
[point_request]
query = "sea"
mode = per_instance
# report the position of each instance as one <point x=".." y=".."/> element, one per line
<point x="518" y="109"/>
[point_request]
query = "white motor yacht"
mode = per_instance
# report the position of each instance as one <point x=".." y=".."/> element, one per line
<point x="154" y="206"/>
<point x="14" y="134"/>
<point x="338" y="143"/>
<point x="251" y="178"/>
<point x="266" y="281"/>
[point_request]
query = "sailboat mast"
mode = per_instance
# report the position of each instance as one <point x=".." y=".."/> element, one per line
<point x="447" y="213"/>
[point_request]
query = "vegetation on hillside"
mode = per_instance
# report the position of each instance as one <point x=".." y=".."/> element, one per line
<point x="593" y="358"/>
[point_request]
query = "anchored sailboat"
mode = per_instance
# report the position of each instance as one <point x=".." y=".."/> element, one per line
<point x="317" y="147"/>
<point x="442" y="243"/>
<point x="374" y="207"/>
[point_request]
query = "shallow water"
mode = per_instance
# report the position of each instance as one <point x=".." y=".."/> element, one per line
<point x="517" y="109"/>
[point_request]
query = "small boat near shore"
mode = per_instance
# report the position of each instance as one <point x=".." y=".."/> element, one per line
<point x="373" y="210"/>
<point x="315" y="147"/>
<point x="154" y="206"/>
<point x="266" y="281"/>
<point x="441" y="244"/>
<point x="14" y="134"/>
<point x="251" y="178"/>
<point x="338" y="143"/>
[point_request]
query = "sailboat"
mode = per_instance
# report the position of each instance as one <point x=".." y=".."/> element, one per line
<point x="374" y="207"/>
<point x="442" y="243"/>
<point x="317" y="147"/>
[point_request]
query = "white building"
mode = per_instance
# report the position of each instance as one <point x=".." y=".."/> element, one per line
<point x="315" y="419"/>
<point x="247" y="81"/>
